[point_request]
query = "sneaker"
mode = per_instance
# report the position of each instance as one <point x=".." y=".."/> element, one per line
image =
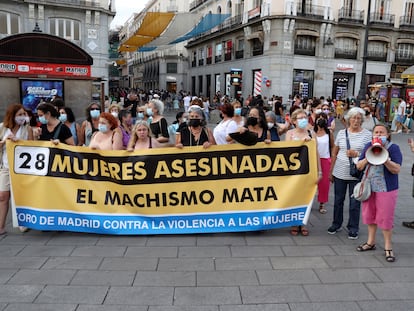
<point x="333" y="229"/>
<point x="352" y="235"/>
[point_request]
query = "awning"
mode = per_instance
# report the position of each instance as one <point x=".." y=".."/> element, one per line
<point x="207" y="22"/>
<point x="161" y="29"/>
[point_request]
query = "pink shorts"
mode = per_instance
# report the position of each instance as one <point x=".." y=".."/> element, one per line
<point x="379" y="209"/>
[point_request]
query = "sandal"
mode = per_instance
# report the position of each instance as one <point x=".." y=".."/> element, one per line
<point x="294" y="230"/>
<point x="408" y="224"/>
<point x="389" y="256"/>
<point x="322" y="209"/>
<point x="366" y="247"/>
<point x="304" y="231"/>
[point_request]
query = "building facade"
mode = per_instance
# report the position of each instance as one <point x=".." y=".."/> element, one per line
<point x="310" y="47"/>
<point x="84" y="23"/>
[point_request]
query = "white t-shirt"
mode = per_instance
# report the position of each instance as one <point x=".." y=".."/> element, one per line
<point x="22" y="133"/>
<point x="223" y="129"/>
<point x="401" y="108"/>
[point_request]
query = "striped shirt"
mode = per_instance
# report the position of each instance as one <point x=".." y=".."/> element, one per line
<point x="357" y="142"/>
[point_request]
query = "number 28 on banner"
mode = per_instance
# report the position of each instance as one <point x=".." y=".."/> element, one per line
<point x="31" y="160"/>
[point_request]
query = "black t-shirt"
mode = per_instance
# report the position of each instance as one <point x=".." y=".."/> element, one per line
<point x="160" y="128"/>
<point x="64" y="133"/>
<point x="278" y="108"/>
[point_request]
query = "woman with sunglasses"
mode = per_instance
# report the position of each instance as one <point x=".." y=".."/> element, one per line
<point x="90" y="125"/>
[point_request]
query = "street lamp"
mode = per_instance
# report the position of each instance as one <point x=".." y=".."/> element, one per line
<point x="362" y="86"/>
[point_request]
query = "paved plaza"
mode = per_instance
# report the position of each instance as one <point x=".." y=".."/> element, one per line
<point x="268" y="271"/>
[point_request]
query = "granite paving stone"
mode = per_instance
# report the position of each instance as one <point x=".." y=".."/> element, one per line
<point x="88" y="263"/>
<point x="338" y="292"/>
<point x="186" y="264"/>
<point x="348" y="275"/>
<point x="256" y="307"/>
<point x="273" y="294"/>
<point x="99" y="251"/>
<point x="33" y="277"/>
<point x="207" y="295"/>
<point x="111" y="308"/>
<point x="46" y="250"/>
<point x="274" y="277"/>
<point x="22" y="262"/>
<point x="226" y="278"/>
<point x="324" y="306"/>
<point x="114" y="240"/>
<point x="387" y="305"/>
<point x="72" y="294"/>
<point x="153" y="251"/>
<point x="392" y="291"/>
<point x="103" y="277"/>
<point x="131" y="263"/>
<point x="204" y="251"/>
<point x="252" y="251"/>
<point x="298" y="262"/>
<point x="165" y="278"/>
<point x="245" y="263"/>
<point x="19" y="293"/>
<point x="40" y="307"/>
<point x="141" y="296"/>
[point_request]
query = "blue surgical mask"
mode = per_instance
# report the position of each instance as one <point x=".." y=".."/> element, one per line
<point x="237" y="111"/>
<point x="140" y="115"/>
<point x="149" y="111"/>
<point x="302" y="123"/>
<point x="95" y="114"/>
<point x="102" y="128"/>
<point x="383" y="139"/>
<point x="63" y="117"/>
<point x="43" y="120"/>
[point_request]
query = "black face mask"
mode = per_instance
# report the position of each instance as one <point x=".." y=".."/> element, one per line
<point x="367" y="113"/>
<point x="322" y="122"/>
<point x="251" y="121"/>
<point x="194" y="122"/>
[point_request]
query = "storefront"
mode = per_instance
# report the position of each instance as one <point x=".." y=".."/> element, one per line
<point x="303" y="82"/>
<point x="343" y="83"/>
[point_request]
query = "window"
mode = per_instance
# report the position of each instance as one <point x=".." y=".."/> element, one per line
<point x="9" y="23"/>
<point x="305" y="45"/>
<point x="346" y="48"/>
<point x="229" y="48"/>
<point x="201" y="56"/>
<point x="257" y="47"/>
<point x="209" y="55"/>
<point x="377" y="51"/>
<point x="65" y="28"/>
<point x="219" y="50"/>
<point x="240" y="48"/>
<point x="405" y="52"/>
<point x="171" y="67"/>
<point x="194" y="61"/>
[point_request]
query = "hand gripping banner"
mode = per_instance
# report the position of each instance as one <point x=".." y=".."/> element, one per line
<point x="162" y="191"/>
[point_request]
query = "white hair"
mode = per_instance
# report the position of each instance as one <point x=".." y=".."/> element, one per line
<point x="159" y="105"/>
<point x="353" y="112"/>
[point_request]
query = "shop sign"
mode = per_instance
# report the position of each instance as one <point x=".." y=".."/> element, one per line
<point x="345" y="67"/>
<point x="29" y="68"/>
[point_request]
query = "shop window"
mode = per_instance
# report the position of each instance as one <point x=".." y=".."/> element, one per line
<point x="346" y="48"/>
<point x="377" y="51"/>
<point x="303" y="82"/>
<point x="9" y="23"/>
<point x="305" y="45"/>
<point x="257" y="47"/>
<point x="65" y="28"/>
<point x="405" y="53"/>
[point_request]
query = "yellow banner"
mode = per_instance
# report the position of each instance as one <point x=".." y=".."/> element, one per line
<point x="164" y="190"/>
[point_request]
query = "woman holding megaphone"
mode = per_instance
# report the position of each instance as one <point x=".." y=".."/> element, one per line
<point x="381" y="159"/>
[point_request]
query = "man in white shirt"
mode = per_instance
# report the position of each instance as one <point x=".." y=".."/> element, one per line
<point x="187" y="101"/>
<point x="400" y="116"/>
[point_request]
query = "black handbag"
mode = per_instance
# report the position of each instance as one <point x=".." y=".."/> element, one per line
<point x="353" y="171"/>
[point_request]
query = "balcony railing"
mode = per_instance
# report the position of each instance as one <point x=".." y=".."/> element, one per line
<point x="404" y="59"/>
<point x="377" y="56"/>
<point x="347" y="54"/>
<point x="407" y="22"/>
<point x="201" y="62"/>
<point x="257" y="51"/>
<point x="350" y="16"/>
<point x="239" y="54"/>
<point x="196" y="3"/>
<point x="305" y="51"/>
<point x="217" y="59"/>
<point x="194" y="63"/>
<point x="312" y="11"/>
<point x="209" y="60"/>
<point x="382" y="19"/>
<point x="227" y="56"/>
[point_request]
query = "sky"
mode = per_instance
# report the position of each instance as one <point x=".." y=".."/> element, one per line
<point x="125" y="9"/>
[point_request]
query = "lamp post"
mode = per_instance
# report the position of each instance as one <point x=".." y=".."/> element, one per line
<point x="362" y="86"/>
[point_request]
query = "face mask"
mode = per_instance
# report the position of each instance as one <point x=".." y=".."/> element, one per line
<point x="140" y="115"/>
<point x="318" y="111"/>
<point x="102" y="128"/>
<point x="149" y="111"/>
<point x="322" y="122"/>
<point x="149" y="120"/>
<point x="27" y="119"/>
<point x="251" y="121"/>
<point x="43" y="120"/>
<point x="383" y="139"/>
<point x="237" y="111"/>
<point x="302" y="123"/>
<point x="63" y="117"/>
<point x="367" y="113"/>
<point x="95" y="113"/>
<point x="115" y="114"/>
<point x="270" y="125"/>
<point x="326" y="111"/>
<point x="194" y="122"/>
<point x="20" y="120"/>
<point x="184" y="120"/>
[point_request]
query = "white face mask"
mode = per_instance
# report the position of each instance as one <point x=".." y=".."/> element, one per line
<point x="115" y="114"/>
<point x="270" y="125"/>
<point x="20" y="120"/>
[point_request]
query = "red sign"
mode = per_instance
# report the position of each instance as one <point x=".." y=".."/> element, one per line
<point x="268" y="83"/>
<point x="28" y="68"/>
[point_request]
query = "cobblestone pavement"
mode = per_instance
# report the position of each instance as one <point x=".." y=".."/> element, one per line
<point x="274" y="271"/>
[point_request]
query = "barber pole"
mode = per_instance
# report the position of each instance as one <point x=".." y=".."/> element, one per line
<point x="257" y="83"/>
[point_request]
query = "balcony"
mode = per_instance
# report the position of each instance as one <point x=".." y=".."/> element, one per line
<point x="350" y="16"/>
<point x="239" y="54"/>
<point x="404" y="59"/>
<point x="310" y="11"/>
<point x="194" y="63"/>
<point x="201" y="62"/>
<point x="377" y="56"/>
<point x="257" y="51"/>
<point x="346" y="53"/>
<point x="305" y="51"/>
<point x="382" y="19"/>
<point x="217" y="59"/>
<point x="209" y="60"/>
<point x="196" y="4"/>
<point x="227" y="56"/>
<point x="407" y="22"/>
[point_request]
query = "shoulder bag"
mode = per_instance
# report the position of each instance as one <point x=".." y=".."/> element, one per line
<point x="353" y="171"/>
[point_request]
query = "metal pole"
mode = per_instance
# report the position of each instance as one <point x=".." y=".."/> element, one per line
<point x="362" y="86"/>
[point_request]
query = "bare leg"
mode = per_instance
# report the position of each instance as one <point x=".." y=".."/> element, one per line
<point x="387" y="239"/>
<point x="372" y="230"/>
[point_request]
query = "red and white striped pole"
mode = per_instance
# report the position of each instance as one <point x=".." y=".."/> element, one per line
<point x="257" y="83"/>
